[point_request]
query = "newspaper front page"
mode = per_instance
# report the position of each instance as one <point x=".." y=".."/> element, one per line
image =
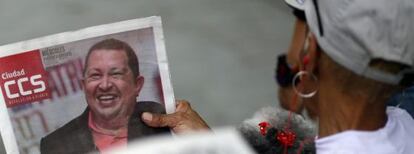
<point x="44" y="85"/>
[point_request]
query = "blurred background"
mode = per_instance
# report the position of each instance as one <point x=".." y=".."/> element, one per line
<point x="222" y="53"/>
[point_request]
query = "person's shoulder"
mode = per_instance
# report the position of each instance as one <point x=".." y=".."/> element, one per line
<point x="149" y="106"/>
<point x="401" y="115"/>
<point x="66" y="129"/>
<point x="65" y="137"/>
<point x="62" y="132"/>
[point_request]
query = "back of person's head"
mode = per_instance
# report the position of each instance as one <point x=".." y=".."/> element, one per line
<point x="367" y="44"/>
<point x="114" y="44"/>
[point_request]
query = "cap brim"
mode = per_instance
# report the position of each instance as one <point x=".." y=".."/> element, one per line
<point x="297" y="4"/>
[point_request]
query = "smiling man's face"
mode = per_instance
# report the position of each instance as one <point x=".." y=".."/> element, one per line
<point x="109" y="85"/>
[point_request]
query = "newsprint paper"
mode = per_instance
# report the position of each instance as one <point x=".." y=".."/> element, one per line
<point x="44" y="85"/>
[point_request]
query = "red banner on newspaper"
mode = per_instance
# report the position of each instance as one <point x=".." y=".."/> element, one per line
<point x="23" y="78"/>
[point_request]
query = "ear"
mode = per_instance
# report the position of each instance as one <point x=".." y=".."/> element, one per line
<point x="139" y="81"/>
<point x="310" y="60"/>
<point x="296" y="44"/>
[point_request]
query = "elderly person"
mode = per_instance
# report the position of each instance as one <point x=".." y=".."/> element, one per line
<point x="355" y="56"/>
<point x="359" y="52"/>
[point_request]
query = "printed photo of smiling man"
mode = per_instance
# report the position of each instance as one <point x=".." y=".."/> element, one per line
<point x="111" y="83"/>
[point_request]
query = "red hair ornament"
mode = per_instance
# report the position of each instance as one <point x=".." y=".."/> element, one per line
<point x="286" y="138"/>
<point x="263" y="127"/>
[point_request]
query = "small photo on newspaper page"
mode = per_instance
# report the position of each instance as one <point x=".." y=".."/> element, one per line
<point x="84" y="91"/>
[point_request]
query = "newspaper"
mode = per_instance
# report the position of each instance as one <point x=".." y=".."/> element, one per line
<point x="43" y="80"/>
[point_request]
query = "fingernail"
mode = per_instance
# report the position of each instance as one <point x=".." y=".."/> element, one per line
<point x="147" y="116"/>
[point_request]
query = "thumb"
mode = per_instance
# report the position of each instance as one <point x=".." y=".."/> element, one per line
<point x="159" y="120"/>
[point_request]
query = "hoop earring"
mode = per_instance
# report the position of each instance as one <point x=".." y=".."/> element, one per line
<point x="297" y="79"/>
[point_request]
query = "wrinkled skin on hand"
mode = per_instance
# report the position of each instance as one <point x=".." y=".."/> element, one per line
<point x="183" y="120"/>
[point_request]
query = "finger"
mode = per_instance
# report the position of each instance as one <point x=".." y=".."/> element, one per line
<point x="183" y="105"/>
<point x="159" y="120"/>
<point x="178" y="102"/>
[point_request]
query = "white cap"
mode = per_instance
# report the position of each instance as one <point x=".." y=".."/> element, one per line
<point x="297" y="4"/>
<point x="358" y="31"/>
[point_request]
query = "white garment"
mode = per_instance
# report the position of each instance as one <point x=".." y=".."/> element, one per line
<point x="397" y="137"/>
